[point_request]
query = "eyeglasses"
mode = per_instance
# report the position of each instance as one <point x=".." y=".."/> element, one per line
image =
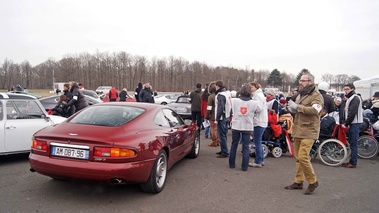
<point x="301" y="81"/>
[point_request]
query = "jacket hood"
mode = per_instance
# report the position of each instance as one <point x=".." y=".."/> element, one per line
<point x="212" y="87"/>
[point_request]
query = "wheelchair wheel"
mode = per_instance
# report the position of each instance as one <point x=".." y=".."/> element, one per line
<point x="265" y="150"/>
<point x="252" y="149"/>
<point x="277" y="152"/>
<point x="367" y="147"/>
<point x="332" y="152"/>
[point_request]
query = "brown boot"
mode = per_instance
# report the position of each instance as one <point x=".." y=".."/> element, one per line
<point x="294" y="186"/>
<point x="212" y="144"/>
<point x="311" y="188"/>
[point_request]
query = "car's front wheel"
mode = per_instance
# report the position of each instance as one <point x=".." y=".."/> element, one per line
<point x="158" y="174"/>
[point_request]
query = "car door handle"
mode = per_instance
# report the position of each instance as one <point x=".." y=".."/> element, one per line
<point x="10" y="127"/>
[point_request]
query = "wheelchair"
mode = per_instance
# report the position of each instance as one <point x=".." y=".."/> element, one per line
<point x="274" y="145"/>
<point x="331" y="151"/>
<point x="368" y="146"/>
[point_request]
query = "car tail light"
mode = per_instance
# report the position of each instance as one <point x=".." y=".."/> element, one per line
<point x="114" y="152"/>
<point x="39" y="145"/>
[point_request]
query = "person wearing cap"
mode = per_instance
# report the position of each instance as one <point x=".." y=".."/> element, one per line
<point x="306" y="129"/>
<point x="272" y="103"/>
<point x="336" y="113"/>
<point x="323" y="88"/>
<point x="353" y="119"/>
<point x="375" y="105"/>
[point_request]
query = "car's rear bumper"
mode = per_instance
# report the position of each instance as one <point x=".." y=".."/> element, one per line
<point x="135" y="172"/>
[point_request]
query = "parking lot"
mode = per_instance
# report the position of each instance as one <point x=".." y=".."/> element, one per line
<point x="205" y="184"/>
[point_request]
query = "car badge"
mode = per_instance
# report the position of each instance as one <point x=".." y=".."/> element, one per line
<point x="72" y="134"/>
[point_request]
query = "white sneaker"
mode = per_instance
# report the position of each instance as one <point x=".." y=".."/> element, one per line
<point x="255" y="165"/>
<point x="263" y="163"/>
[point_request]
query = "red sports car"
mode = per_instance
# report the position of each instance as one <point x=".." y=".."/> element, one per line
<point x="116" y="143"/>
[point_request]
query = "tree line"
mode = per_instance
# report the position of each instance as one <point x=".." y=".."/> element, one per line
<point x="124" y="70"/>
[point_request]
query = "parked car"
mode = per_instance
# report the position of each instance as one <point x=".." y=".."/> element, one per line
<point x="22" y="92"/>
<point x="116" y="143"/>
<point x="50" y="102"/>
<point x="91" y="93"/>
<point x="166" y="99"/>
<point x="103" y="89"/>
<point x="21" y="116"/>
<point x="182" y="106"/>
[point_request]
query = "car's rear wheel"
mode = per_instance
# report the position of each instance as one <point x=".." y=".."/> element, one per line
<point x="195" y="147"/>
<point x="158" y="174"/>
<point x="163" y="103"/>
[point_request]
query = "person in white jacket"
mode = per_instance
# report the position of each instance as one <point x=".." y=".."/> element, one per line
<point x="260" y="123"/>
<point x="243" y="109"/>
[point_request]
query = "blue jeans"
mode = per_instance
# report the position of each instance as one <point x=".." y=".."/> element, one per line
<point x="208" y="134"/>
<point x="222" y="132"/>
<point x="245" y="138"/>
<point x="196" y="117"/>
<point x="353" y="141"/>
<point x="258" y="133"/>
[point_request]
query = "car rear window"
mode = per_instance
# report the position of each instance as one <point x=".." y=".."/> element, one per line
<point x="107" y="115"/>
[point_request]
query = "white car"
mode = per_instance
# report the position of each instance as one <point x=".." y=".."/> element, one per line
<point x="165" y="99"/>
<point x="20" y="117"/>
<point x="103" y="90"/>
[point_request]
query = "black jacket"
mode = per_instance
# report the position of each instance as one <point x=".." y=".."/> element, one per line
<point x="137" y="92"/>
<point x="146" y="95"/>
<point x="123" y="95"/>
<point x="328" y="101"/>
<point x="78" y="100"/>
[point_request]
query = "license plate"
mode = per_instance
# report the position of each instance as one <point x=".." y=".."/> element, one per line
<point x="70" y="152"/>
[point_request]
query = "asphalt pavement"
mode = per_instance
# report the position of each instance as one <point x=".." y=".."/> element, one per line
<point x="205" y="184"/>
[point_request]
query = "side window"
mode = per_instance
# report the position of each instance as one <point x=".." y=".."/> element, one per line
<point x="11" y="110"/>
<point x="173" y="118"/>
<point x="161" y="120"/>
<point x="23" y="109"/>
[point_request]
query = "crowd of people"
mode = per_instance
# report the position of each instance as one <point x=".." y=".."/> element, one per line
<point x="71" y="101"/>
<point x="314" y="112"/>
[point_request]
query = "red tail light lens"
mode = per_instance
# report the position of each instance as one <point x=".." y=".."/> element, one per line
<point x="113" y="152"/>
<point x="39" y="145"/>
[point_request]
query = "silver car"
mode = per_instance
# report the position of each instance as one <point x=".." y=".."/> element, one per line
<point x="182" y="106"/>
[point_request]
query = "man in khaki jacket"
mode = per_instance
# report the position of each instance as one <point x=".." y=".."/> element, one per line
<point x="307" y="107"/>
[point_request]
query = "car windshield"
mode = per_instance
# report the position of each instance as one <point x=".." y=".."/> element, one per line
<point x="107" y="115"/>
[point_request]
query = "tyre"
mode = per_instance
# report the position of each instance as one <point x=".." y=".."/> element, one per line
<point x="332" y="152"/>
<point x="158" y="174"/>
<point x="265" y="150"/>
<point x="163" y="103"/>
<point x="277" y="152"/>
<point x="195" y="147"/>
<point x="367" y="147"/>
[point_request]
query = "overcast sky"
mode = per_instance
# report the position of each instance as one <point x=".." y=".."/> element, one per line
<point x="324" y="36"/>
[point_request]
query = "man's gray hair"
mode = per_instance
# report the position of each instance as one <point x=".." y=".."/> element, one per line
<point x="310" y="76"/>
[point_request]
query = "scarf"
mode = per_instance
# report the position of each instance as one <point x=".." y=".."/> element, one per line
<point x="269" y="98"/>
<point x="307" y="90"/>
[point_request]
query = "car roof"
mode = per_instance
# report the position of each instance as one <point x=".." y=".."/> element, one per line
<point x="16" y="96"/>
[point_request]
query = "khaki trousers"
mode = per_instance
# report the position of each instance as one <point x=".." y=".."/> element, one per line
<point x="304" y="168"/>
<point x="214" y="132"/>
